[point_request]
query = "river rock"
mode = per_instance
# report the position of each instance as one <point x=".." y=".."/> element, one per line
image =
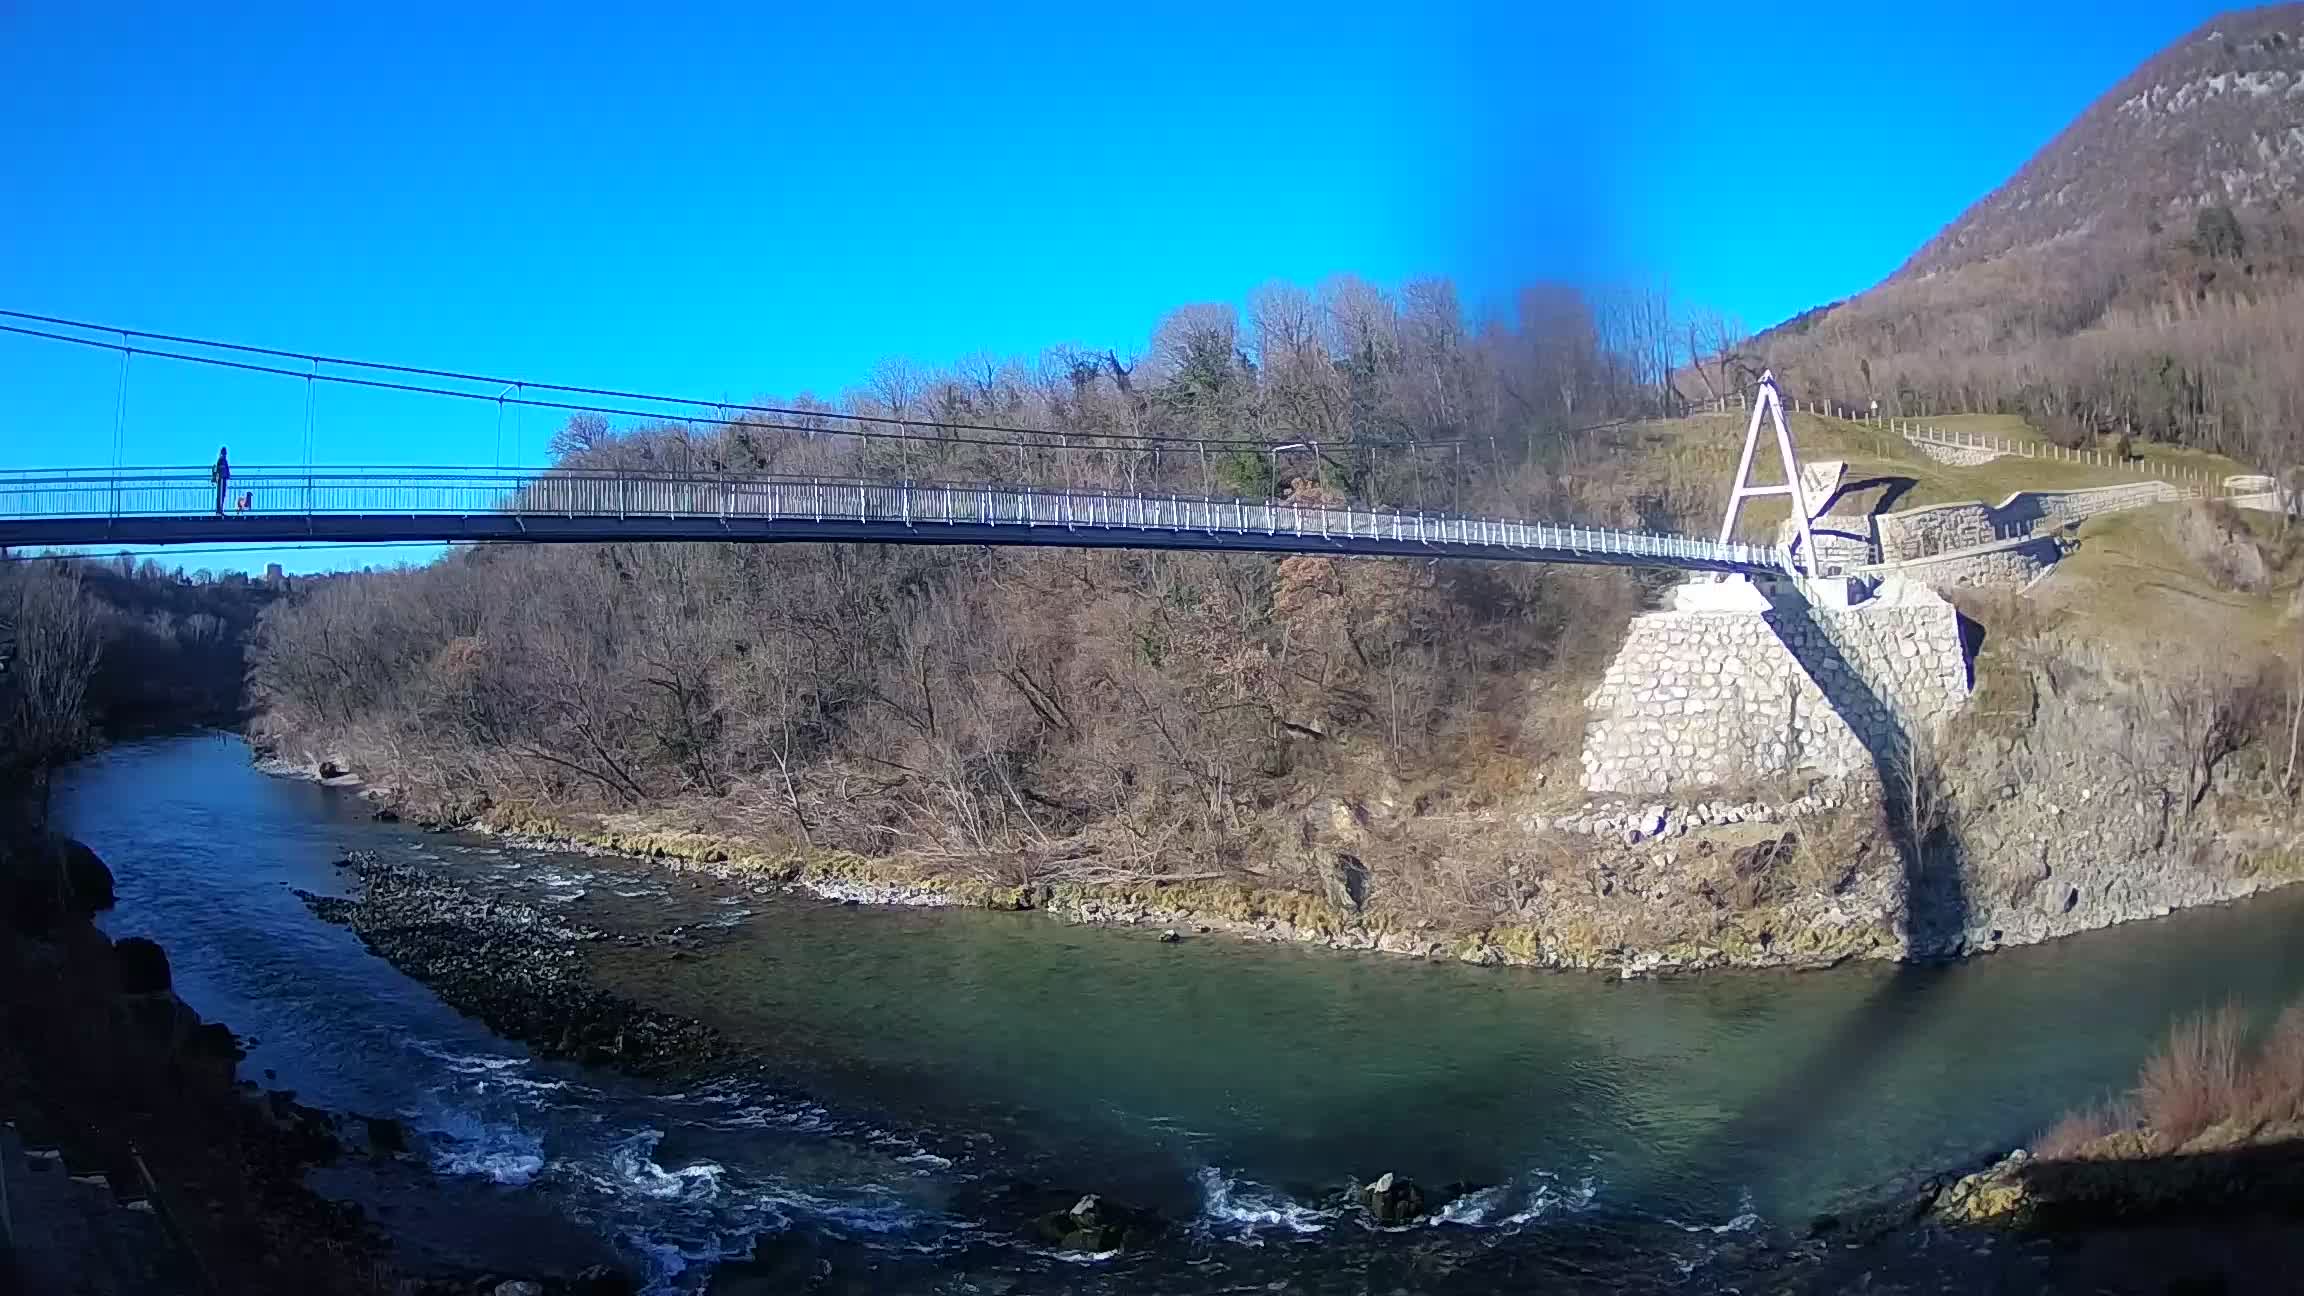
<point x="1393" y="1199"/>
<point x="164" y="1022"/>
<point x="49" y="878"/>
<point x="214" y="1042"/>
<point x="1095" y="1225"/>
<point x="1765" y="856"/>
<point x="1993" y="1196"/>
<point x="515" y="967"/>
<point x="143" y="966"/>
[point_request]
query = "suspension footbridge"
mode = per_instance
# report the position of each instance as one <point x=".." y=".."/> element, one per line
<point x="887" y="502"/>
<point x="177" y="506"/>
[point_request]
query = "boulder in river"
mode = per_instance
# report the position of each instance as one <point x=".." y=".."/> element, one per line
<point x="1095" y="1224"/>
<point x="1393" y="1199"/>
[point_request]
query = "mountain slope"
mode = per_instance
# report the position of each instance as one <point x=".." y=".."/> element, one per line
<point x="2215" y="119"/>
<point x="2142" y="276"/>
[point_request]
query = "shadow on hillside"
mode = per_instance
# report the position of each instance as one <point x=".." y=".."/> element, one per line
<point x="2187" y="1186"/>
<point x="1926" y="842"/>
<point x="1972" y="635"/>
<point x="1892" y="491"/>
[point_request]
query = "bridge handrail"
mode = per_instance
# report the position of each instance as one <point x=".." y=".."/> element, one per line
<point x="644" y="493"/>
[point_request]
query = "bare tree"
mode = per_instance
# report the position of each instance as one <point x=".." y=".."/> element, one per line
<point x="44" y="683"/>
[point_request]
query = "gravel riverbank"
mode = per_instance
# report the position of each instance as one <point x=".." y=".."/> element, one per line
<point x="515" y="968"/>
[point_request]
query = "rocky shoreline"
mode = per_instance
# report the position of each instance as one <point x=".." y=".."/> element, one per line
<point x="2024" y="846"/>
<point x="1856" y="921"/>
<point x="1639" y="862"/>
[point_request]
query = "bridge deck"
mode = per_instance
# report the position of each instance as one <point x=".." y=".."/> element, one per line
<point x="175" y="506"/>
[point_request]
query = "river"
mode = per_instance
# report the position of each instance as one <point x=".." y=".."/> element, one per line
<point x="1618" y="1133"/>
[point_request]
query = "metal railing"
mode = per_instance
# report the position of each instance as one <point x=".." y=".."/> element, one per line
<point x="893" y="507"/>
<point x="1924" y="434"/>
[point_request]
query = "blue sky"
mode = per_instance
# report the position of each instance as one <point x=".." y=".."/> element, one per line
<point x="745" y="201"/>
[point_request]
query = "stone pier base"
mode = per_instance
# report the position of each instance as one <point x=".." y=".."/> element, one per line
<point x="1735" y="685"/>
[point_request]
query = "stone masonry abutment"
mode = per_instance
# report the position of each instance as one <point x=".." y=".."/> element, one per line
<point x="1736" y="683"/>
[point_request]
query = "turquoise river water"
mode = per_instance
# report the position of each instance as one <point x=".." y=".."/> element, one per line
<point x="928" y="1066"/>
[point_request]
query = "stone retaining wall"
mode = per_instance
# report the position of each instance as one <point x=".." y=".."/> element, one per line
<point x="1842" y="540"/>
<point x="2009" y="564"/>
<point x="1957" y="456"/>
<point x="1942" y="528"/>
<point x="1698" y="699"/>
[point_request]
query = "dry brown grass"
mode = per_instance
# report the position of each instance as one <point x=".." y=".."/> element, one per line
<point x="2277" y="1079"/>
<point x="1702" y="452"/>
<point x="2196" y="1080"/>
<point x="2204" y="1077"/>
<point x="2071" y="1137"/>
<point x="2134" y="583"/>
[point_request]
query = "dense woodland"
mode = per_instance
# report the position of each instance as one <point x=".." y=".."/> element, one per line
<point x="1401" y="399"/>
<point x="1073" y="712"/>
<point x="1091" y="711"/>
<point x="103" y="648"/>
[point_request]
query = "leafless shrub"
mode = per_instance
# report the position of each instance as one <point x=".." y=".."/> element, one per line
<point x="2276" y="1082"/>
<point x="2202" y="1077"/>
<point x="2196" y="1079"/>
<point x="51" y="627"/>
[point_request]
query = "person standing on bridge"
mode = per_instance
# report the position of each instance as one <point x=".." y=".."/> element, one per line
<point x="222" y="473"/>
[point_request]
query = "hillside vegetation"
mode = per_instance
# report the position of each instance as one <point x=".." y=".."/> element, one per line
<point x="1885" y="473"/>
<point x="2138" y="277"/>
<point x="89" y="650"/>
<point x="1041" y="716"/>
<point x="1320" y="740"/>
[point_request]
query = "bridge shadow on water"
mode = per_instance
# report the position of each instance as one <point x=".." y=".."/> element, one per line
<point x="1849" y="1067"/>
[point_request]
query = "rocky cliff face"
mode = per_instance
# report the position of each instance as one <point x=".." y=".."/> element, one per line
<point x="2048" y="838"/>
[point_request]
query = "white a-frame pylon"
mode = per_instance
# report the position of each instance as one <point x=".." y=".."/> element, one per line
<point x="1767" y="402"/>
